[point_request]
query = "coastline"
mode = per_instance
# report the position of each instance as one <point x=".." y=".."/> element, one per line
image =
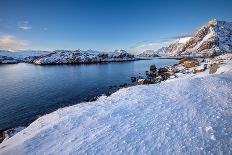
<point x="89" y="117"/>
<point x="117" y="89"/>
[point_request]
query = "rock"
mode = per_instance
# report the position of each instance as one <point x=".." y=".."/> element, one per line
<point x="122" y="86"/>
<point x="213" y="68"/>
<point x="153" y="68"/>
<point x="165" y="76"/>
<point x="162" y="70"/>
<point x="143" y="81"/>
<point x="189" y="64"/>
<point x="147" y="72"/>
<point x="133" y="79"/>
<point x="205" y="66"/>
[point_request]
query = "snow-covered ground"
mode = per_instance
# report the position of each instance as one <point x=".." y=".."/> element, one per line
<point x="187" y="115"/>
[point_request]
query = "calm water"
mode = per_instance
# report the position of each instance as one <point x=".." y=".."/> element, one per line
<point x="28" y="91"/>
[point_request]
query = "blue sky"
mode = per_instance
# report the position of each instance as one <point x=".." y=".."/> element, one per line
<point x="103" y="24"/>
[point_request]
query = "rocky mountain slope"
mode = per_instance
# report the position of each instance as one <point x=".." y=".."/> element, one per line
<point x="215" y="37"/>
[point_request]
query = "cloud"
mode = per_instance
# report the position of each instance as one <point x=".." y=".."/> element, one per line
<point x="24" y="25"/>
<point x="9" y="42"/>
<point x="176" y="37"/>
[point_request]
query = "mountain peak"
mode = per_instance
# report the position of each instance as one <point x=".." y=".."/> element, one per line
<point x="212" y="38"/>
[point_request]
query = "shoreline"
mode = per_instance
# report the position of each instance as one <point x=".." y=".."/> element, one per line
<point x="108" y="94"/>
<point x="79" y="121"/>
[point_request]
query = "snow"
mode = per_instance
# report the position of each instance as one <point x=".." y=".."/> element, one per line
<point x="183" y="40"/>
<point x="187" y="115"/>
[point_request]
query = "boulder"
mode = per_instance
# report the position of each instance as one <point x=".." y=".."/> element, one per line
<point x="133" y="79"/>
<point x="162" y="70"/>
<point x="165" y="75"/>
<point x="153" y="68"/>
<point x="213" y="68"/>
<point x="189" y="63"/>
<point x="143" y="81"/>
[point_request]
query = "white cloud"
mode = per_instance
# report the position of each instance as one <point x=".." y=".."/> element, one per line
<point x="24" y="25"/>
<point x="9" y="42"/>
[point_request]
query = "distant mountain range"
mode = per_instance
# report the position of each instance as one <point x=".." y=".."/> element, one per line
<point x="213" y="38"/>
<point x="63" y="57"/>
<point x="22" y="54"/>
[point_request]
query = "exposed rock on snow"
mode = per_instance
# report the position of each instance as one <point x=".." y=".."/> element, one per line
<point x="215" y="37"/>
<point x="78" y="56"/>
<point x="188" y="115"/>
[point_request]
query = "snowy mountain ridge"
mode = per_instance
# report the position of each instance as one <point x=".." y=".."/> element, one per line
<point x="79" y="56"/>
<point x="22" y="54"/>
<point x="215" y="37"/>
<point x="64" y="56"/>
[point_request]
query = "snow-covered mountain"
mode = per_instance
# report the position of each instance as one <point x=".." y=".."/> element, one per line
<point x="149" y="53"/>
<point x="215" y="37"/>
<point x="79" y="56"/>
<point x="22" y="54"/>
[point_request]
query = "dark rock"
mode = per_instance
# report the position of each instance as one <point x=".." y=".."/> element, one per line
<point x="165" y="75"/>
<point x="205" y="66"/>
<point x="153" y="68"/>
<point x="133" y="79"/>
<point x="147" y="72"/>
<point x="143" y="81"/>
<point x="162" y="70"/>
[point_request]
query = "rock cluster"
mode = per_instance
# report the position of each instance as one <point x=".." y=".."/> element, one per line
<point x="156" y="75"/>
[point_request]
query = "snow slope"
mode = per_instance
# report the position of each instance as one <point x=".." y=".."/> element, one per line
<point x="188" y="115"/>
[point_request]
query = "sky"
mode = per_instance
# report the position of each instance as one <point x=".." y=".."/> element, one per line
<point x="105" y="25"/>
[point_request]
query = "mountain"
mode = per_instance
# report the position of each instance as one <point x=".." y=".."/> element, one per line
<point x="215" y="37"/>
<point x="22" y="54"/>
<point x="80" y="57"/>
<point x="148" y="53"/>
